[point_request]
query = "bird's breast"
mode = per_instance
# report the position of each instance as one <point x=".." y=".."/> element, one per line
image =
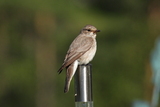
<point x="88" y="56"/>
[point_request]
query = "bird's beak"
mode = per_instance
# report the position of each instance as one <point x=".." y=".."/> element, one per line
<point x="96" y="31"/>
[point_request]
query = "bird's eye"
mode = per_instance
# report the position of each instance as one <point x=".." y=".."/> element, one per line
<point x="88" y="30"/>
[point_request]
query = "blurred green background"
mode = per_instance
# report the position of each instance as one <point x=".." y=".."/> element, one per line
<point x="35" y="35"/>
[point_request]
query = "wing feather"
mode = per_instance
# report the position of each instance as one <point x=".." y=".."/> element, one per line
<point x="78" y="47"/>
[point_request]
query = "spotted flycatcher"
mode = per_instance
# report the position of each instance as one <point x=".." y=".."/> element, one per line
<point x="81" y="51"/>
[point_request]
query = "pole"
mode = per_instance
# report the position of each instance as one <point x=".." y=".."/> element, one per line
<point x="83" y="86"/>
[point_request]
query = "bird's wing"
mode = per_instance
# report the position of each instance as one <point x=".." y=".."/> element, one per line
<point x="79" y="46"/>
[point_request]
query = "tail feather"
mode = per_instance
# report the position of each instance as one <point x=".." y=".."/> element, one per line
<point x="67" y="85"/>
<point x="69" y="75"/>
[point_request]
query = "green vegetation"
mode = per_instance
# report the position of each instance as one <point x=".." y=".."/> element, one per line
<point x="35" y="35"/>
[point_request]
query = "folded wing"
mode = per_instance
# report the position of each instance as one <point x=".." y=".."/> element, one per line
<point x="78" y="47"/>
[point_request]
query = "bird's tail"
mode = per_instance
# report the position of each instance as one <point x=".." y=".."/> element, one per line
<point x="67" y="85"/>
<point x="69" y="75"/>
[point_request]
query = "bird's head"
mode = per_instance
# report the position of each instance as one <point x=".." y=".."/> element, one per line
<point x="89" y="30"/>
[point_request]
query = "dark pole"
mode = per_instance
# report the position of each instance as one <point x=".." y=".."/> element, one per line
<point x="83" y="86"/>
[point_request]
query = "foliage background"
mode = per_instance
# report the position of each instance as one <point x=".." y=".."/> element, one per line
<point x="35" y="35"/>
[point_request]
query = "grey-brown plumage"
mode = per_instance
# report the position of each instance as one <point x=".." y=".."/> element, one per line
<point x="81" y="51"/>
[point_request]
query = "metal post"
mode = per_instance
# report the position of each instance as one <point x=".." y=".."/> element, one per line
<point x="83" y="86"/>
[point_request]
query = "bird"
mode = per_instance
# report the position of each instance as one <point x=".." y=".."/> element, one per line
<point x="81" y="52"/>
